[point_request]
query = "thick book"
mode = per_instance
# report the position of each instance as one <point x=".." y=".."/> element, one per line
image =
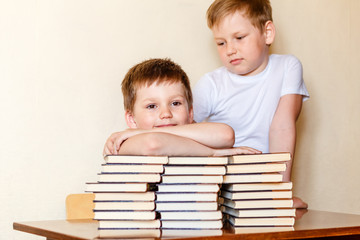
<point x="270" y="203"/>
<point x="194" y="170"/>
<point x="119" y="187"/>
<point x="186" y="206"/>
<point x="130" y="224"/>
<point x="191" y="215"/>
<point x="268" y="221"/>
<point x="129" y="177"/>
<point x="121" y="205"/>
<point x="185" y="197"/>
<point x="260" y="158"/>
<point x="216" y="179"/>
<point x="127" y="196"/>
<point x="253" y="178"/>
<point x="194" y="224"/>
<point x="129" y="233"/>
<point x="125" y="215"/>
<point x="258" y="186"/>
<point x="132" y="168"/>
<point x="130" y="159"/>
<point x="264" y="229"/>
<point x="180" y="233"/>
<point x="188" y="187"/>
<point x="198" y="161"/>
<point x="255" y="168"/>
<point x="256" y="195"/>
<point x="268" y="212"/>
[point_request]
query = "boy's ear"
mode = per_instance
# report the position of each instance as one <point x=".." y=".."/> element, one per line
<point x="269" y="31"/>
<point x="191" y="115"/>
<point x="130" y="121"/>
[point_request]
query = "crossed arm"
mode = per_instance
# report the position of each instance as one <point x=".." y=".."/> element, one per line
<point x="197" y="139"/>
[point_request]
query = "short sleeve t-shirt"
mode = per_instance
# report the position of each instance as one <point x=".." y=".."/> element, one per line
<point x="248" y="103"/>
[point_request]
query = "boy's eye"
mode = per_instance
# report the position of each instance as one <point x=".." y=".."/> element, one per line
<point x="240" y="37"/>
<point x="220" y="43"/>
<point x="176" y="103"/>
<point x="151" y="106"/>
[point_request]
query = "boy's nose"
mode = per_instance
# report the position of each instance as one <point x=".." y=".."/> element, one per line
<point x="230" y="49"/>
<point x="165" y="113"/>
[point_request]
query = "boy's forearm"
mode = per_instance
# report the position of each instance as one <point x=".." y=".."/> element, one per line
<point x="165" y="144"/>
<point x="213" y="135"/>
<point x="283" y="141"/>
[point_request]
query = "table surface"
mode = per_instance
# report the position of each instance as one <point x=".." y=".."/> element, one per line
<point x="308" y="224"/>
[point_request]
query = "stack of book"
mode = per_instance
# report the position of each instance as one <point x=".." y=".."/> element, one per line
<point x="253" y="196"/>
<point x="125" y="196"/>
<point x="187" y="196"/>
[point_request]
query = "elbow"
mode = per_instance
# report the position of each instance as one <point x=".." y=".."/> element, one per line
<point x="227" y="136"/>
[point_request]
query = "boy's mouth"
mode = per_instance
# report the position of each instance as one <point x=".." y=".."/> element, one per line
<point x="236" y="61"/>
<point x="166" y="125"/>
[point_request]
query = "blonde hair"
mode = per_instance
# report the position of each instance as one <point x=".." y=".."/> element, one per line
<point x="258" y="11"/>
<point x="150" y="71"/>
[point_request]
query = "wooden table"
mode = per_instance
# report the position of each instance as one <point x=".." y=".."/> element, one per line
<point x="312" y="224"/>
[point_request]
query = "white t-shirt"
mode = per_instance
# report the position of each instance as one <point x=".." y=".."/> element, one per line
<point x="248" y="104"/>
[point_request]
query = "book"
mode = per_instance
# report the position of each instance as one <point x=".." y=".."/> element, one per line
<point x="193" y="224"/>
<point x="130" y="224"/>
<point x="167" y="233"/>
<point x="132" y="168"/>
<point x="130" y="159"/>
<point x="124" y="215"/>
<point x="259" y="158"/>
<point x="271" y="212"/>
<point x="194" y="170"/>
<point x="130" y="177"/>
<point x="188" y="188"/>
<point x="217" y="179"/>
<point x="185" y="197"/>
<point x="121" y="205"/>
<point x="268" y="221"/>
<point x="270" y="203"/>
<point x="264" y="229"/>
<point x="252" y="178"/>
<point x="129" y="233"/>
<point x="119" y="187"/>
<point x="125" y="196"/>
<point x="258" y="186"/>
<point x="198" y="160"/>
<point x="256" y="195"/>
<point x="186" y="206"/>
<point x="191" y="215"/>
<point x="255" y="168"/>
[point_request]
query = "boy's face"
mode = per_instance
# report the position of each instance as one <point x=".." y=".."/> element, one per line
<point x="242" y="47"/>
<point x="160" y="106"/>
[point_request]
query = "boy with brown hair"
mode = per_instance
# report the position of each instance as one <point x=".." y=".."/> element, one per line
<point x="259" y="95"/>
<point x="158" y="111"/>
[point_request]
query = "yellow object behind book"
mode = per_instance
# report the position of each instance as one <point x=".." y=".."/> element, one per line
<point x="80" y="206"/>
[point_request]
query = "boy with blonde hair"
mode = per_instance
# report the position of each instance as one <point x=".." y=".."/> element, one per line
<point x="259" y="95"/>
<point x="159" y="113"/>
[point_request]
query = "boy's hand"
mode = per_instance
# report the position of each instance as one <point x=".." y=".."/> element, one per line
<point x="235" y="151"/>
<point x="114" y="142"/>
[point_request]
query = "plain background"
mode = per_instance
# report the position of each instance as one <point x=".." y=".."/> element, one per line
<point x="62" y="62"/>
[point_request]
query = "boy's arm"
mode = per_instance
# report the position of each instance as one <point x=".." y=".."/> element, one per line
<point x="155" y="144"/>
<point x="282" y="135"/>
<point x="214" y="135"/>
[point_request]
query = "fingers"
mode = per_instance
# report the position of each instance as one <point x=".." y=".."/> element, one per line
<point x="247" y="150"/>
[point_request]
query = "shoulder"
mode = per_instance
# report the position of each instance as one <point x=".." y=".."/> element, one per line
<point x="285" y="60"/>
<point x="216" y="74"/>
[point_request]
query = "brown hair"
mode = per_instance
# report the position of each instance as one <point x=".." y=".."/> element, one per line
<point x="258" y="11"/>
<point x="150" y="71"/>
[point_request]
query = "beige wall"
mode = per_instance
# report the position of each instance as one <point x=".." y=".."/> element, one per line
<point x="61" y="63"/>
